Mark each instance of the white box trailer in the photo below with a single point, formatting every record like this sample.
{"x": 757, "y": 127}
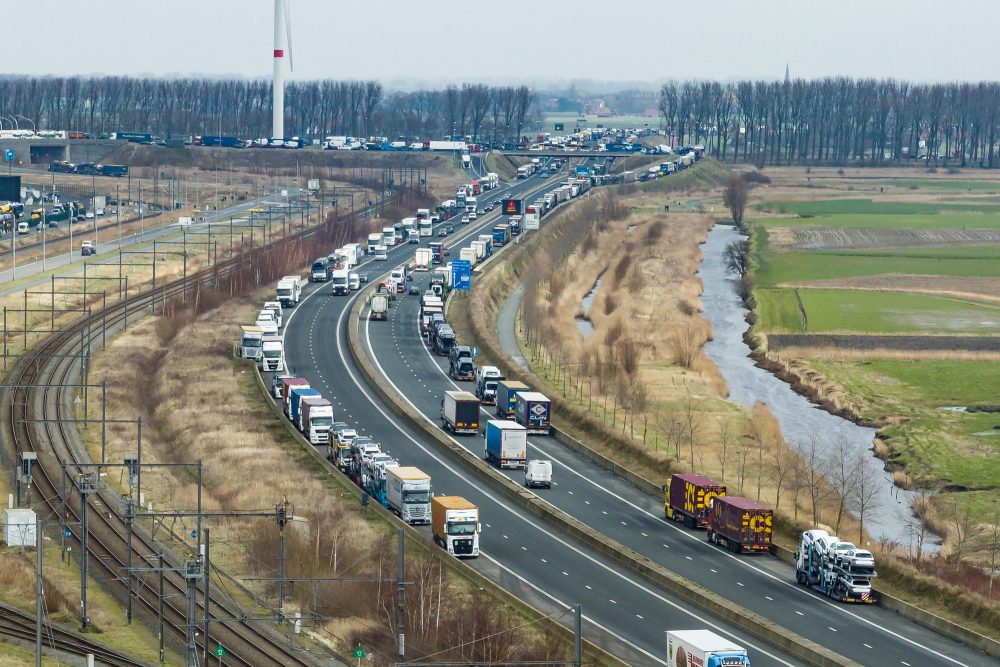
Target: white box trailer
{"x": 468, "y": 254}
{"x": 422, "y": 259}
{"x": 700, "y": 648}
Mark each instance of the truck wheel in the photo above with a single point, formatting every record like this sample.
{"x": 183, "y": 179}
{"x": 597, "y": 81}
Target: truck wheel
{"x": 688, "y": 522}
{"x": 709, "y": 536}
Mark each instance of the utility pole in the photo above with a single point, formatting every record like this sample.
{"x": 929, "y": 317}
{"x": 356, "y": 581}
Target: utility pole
{"x": 208, "y": 595}
{"x": 192, "y": 573}
{"x": 38, "y": 593}
{"x": 578, "y": 637}
{"x": 160, "y": 597}
{"x": 400, "y": 591}
{"x": 281, "y": 510}
{"x": 86, "y": 485}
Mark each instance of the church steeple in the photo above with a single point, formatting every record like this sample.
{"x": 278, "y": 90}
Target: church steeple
{"x": 788, "y": 74}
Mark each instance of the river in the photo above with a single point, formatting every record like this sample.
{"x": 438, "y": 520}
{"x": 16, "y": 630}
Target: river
{"x": 800, "y": 420}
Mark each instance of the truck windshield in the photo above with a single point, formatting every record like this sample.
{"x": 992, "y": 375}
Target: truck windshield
{"x": 272, "y": 354}
{"x": 415, "y": 497}
{"x": 251, "y": 342}
{"x": 464, "y": 528}
{"x": 340, "y": 281}
{"x": 321, "y": 421}
{"x": 491, "y": 387}
{"x": 284, "y": 291}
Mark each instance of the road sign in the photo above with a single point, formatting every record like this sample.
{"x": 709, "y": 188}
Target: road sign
{"x": 359, "y": 652}
{"x": 8, "y": 155}
{"x": 512, "y": 207}
{"x": 461, "y": 274}
{"x": 68, "y": 533}
{"x": 220, "y": 651}
{"x": 194, "y": 534}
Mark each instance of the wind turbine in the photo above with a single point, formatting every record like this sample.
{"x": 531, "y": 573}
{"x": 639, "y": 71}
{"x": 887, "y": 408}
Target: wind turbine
{"x": 282, "y": 43}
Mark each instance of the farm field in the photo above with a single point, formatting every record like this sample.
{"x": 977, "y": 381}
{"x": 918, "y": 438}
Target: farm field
{"x": 919, "y": 259}
{"x": 932, "y": 441}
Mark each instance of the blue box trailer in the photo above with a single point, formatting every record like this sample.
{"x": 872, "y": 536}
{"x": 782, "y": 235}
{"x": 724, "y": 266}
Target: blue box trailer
{"x": 506, "y": 444}
{"x": 501, "y": 235}
{"x": 295, "y": 401}
{"x": 507, "y": 397}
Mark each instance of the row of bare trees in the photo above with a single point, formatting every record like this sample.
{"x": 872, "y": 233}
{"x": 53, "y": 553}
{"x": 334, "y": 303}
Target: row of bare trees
{"x": 836, "y": 120}
{"x": 242, "y": 107}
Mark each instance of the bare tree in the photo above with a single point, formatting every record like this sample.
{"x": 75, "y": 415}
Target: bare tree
{"x": 863, "y": 495}
{"x": 842, "y": 472}
{"x": 735, "y": 196}
{"x": 963, "y": 530}
{"x": 725, "y": 444}
{"x": 813, "y": 478}
{"x": 693, "y": 420}
{"x": 737, "y": 257}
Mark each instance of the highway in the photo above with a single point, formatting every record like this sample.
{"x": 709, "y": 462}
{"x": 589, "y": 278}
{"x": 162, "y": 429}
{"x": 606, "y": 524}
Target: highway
{"x": 626, "y": 616}
{"x": 623, "y": 614}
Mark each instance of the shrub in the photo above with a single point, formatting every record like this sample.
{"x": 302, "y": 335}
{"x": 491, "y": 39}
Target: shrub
{"x": 756, "y": 177}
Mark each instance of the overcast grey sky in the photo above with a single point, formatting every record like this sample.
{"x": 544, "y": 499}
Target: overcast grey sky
{"x": 439, "y": 41}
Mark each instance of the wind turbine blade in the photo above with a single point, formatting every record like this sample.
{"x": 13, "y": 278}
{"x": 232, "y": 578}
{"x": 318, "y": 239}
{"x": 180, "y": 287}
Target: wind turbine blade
{"x": 288, "y": 32}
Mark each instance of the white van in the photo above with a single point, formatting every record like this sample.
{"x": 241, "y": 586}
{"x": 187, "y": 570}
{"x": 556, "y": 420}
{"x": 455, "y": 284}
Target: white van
{"x": 538, "y": 473}
{"x": 354, "y": 281}
{"x": 381, "y": 253}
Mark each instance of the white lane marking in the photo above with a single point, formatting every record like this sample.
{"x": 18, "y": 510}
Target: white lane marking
{"x": 799, "y": 613}
{"x": 768, "y": 597}
{"x": 831, "y": 628}
{"x": 868, "y": 646}
{"x": 505, "y": 506}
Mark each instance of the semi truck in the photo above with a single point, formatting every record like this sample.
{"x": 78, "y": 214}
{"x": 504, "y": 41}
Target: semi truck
{"x": 287, "y": 384}
{"x": 437, "y": 252}
{"x": 422, "y": 259}
{"x": 295, "y": 397}
{"x": 315, "y": 420}
{"x": 687, "y": 498}
{"x": 739, "y": 524}
{"x": 408, "y": 491}
{"x": 455, "y": 524}
{"x": 272, "y": 358}
{"x": 320, "y": 271}
{"x": 836, "y": 568}
{"x": 533, "y": 411}
{"x": 251, "y": 339}
{"x": 487, "y": 378}
{"x": 703, "y": 648}
{"x": 287, "y": 387}
{"x": 380, "y": 306}
{"x": 340, "y": 282}
{"x": 373, "y": 240}
{"x": 507, "y": 391}
{"x": 289, "y": 291}
{"x": 506, "y": 444}
{"x": 460, "y": 412}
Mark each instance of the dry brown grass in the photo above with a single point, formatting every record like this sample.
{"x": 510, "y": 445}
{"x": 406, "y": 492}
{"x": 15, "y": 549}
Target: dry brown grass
{"x": 198, "y": 403}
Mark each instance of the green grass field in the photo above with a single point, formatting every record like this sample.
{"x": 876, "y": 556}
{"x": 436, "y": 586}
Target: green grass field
{"x": 956, "y": 448}
{"x": 776, "y": 268}
{"x": 823, "y": 207}
{"x": 895, "y": 312}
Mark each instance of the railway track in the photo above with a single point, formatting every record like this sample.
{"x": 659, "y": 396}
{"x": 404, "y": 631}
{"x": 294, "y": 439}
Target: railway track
{"x": 37, "y": 407}
{"x": 21, "y": 625}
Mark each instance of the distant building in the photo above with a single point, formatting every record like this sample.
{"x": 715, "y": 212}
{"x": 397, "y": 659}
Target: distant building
{"x": 788, "y": 74}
